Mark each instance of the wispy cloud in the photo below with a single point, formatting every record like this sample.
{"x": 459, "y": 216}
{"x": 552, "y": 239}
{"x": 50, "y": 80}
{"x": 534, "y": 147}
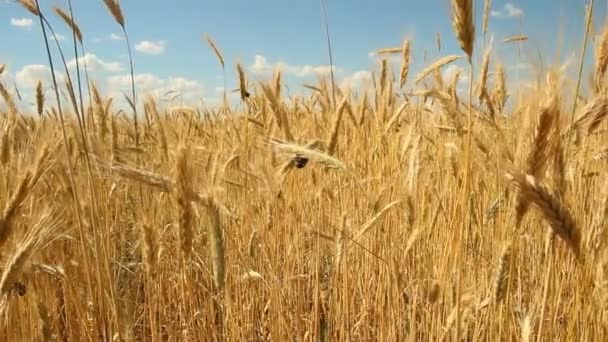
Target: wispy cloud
{"x": 22, "y": 22}
{"x": 111, "y": 37}
{"x": 361, "y": 79}
{"x": 114, "y": 36}
{"x": 509, "y": 10}
{"x": 187, "y": 90}
{"x": 30, "y": 74}
{"x": 95, "y": 63}
{"x": 261, "y": 66}
{"x": 151, "y": 47}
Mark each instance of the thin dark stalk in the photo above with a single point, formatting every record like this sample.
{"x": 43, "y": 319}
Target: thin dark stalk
{"x": 331, "y": 60}
{"x": 65, "y": 149}
{"x": 77, "y": 66}
{"x": 69, "y": 80}
{"x": 133, "y": 98}
{"x": 580, "y": 69}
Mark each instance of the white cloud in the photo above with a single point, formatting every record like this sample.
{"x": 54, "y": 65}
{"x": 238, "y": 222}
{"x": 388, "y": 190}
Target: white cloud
{"x": 262, "y": 66}
{"x": 513, "y": 11}
{"x": 359, "y": 80}
{"x": 392, "y": 58}
{"x": 95, "y": 63}
{"x": 177, "y": 88}
{"x": 114, "y": 36}
{"x": 110, "y": 37}
{"x": 30, "y": 74}
{"x": 150, "y": 47}
{"x": 509, "y": 10}
{"x": 449, "y": 72}
{"x": 22, "y": 22}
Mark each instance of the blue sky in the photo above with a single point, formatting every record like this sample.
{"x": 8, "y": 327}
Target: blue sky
{"x": 170, "y": 53}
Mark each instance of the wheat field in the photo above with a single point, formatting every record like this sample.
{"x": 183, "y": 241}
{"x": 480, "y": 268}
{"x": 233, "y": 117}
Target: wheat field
{"x": 381, "y": 215}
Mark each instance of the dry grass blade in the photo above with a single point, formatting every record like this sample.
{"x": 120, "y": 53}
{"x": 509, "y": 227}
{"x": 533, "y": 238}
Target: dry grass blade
{"x": 436, "y": 65}
{"x": 389, "y": 51}
{"x": 438, "y": 41}
{"x": 518, "y": 38}
{"x": 369, "y": 224}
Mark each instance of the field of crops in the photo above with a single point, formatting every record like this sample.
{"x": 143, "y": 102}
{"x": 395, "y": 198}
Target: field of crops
{"x": 332, "y": 215}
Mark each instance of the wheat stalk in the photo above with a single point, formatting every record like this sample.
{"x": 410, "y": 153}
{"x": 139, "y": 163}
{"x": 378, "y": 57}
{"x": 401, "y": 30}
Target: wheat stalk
{"x": 70, "y": 22}
{"x": 436, "y": 65}
{"x": 217, "y": 243}
{"x": 486, "y": 13}
{"x": 114, "y": 7}
{"x": 463, "y": 25}
{"x": 405, "y": 63}
{"x": 39, "y": 98}
{"x": 308, "y": 153}
{"x": 30, "y": 6}
{"x": 483, "y": 75}
{"x": 502, "y": 275}
{"x": 592, "y": 114}
{"x": 333, "y": 139}
{"x": 557, "y": 215}
{"x": 183, "y": 184}
{"x": 601, "y": 56}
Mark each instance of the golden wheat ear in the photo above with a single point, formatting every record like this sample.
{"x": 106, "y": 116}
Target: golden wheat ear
{"x": 463, "y": 25}
{"x": 555, "y": 213}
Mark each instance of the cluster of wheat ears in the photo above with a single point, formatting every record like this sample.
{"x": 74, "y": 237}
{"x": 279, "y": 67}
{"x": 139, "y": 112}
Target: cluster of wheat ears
{"x": 387, "y": 214}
